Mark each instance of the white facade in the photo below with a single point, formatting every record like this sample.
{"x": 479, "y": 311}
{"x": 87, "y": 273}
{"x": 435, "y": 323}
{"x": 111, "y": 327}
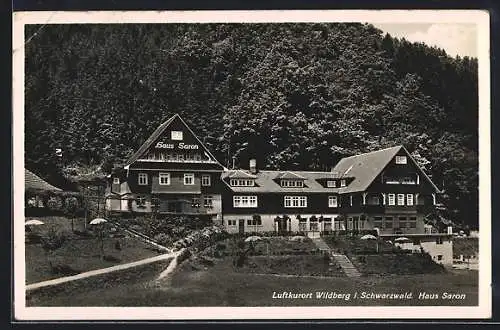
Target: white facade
{"x": 232, "y": 223}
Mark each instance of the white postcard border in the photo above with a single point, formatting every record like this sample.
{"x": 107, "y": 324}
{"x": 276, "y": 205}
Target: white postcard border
{"x": 478, "y": 17}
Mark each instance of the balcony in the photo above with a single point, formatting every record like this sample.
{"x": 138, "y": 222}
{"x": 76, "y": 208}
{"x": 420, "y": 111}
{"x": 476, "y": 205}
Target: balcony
{"x": 396, "y": 209}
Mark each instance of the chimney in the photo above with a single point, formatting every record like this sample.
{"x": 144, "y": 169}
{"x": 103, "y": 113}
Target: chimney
{"x": 253, "y": 166}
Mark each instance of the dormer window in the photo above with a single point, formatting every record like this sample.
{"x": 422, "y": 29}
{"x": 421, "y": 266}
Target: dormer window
{"x": 242, "y": 182}
{"x": 401, "y": 160}
{"x": 343, "y": 183}
{"x": 292, "y": 183}
{"x": 116, "y": 180}
{"x": 176, "y": 135}
{"x": 331, "y": 184}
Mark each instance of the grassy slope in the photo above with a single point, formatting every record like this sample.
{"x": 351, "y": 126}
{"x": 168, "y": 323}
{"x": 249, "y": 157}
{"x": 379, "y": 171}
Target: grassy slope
{"x": 222, "y": 286}
{"x": 80, "y": 254}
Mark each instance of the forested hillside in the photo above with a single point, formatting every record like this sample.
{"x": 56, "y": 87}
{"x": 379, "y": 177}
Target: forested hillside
{"x": 295, "y": 96}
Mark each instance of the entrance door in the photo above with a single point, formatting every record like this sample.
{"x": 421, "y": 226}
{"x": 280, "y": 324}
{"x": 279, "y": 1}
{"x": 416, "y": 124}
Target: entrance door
{"x": 175, "y": 207}
{"x": 282, "y": 227}
{"x": 241, "y": 226}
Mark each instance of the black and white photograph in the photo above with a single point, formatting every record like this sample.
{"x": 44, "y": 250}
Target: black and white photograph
{"x": 329, "y": 163}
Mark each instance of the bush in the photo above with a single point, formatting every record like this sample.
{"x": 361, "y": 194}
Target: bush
{"x": 84, "y": 233}
{"x": 63, "y": 269}
{"x": 162, "y": 239}
{"x": 33, "y": 238}
{"x": 53, "y": 240}
{"x": 111, "y": 258}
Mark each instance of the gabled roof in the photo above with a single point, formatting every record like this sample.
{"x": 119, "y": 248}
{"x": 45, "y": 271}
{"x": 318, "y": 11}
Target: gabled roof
{"x": 34, "y": 182}
{"x": 240, "y": 174}
{"x": 366, "y": 167}
{"x": 267, "y": 182}
{"x": 157, "y": 133}
{"x": 290, "y": 175}
{"x": 151, "y": 139}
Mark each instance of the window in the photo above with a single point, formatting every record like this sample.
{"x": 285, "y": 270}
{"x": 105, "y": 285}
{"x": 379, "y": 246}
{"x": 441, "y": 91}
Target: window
{"x": 439, "y": 240}
{"x": 413, "y": 222}
{"x": 141, "y": 201}
{"x": 242, "y": 182}
{"x": 208, "y": 201}
{"x": 401, "y": 160}
{"x": 440, "y": 257}
{"x": 374, "y": 200}
{"x": 231, "y": 223}
{"x": 389, "y": 180}
{"x": 302, "y": 224}
{"x": 254, "y": 222}
{"x": 409, "y": 199}
{"x": 332, "y": 201}
{"x": 407, "y": 180}
{"x": 377, "y": 222}
{"x": 116, "y": 180}
{"x": 313, "y": 224}
{"x": 401, "y": 199}
{"x": 331, "y": 183}
{"x": 164, "y": 179}
{"x": 176, "y": 135}
{"x": 388, "y": 222}
{"x": 402, "y": 222}
{"x": 143, "y": 179}
{"x": 391, "y": 198}
{"x": 245, "y": 201}
{"x": 195, "y": 202}
{"x": 188, "y": 179}
{"x": 342, "y": 183}
{"x": 295, "y": 201}
{"x": 292, "y": 183}
{"x": 349, "y": 223}
{"x": 205, "y": 180}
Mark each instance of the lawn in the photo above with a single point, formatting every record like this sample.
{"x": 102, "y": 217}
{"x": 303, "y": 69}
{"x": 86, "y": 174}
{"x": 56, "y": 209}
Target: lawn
{"x": 79, "y": 253}
{"x": 221, "y": 285}
{"x": 266, "y": 246}
{"x": 354, "y": 245}
{"x": 310, "y": 265}
{"x": 402, "y": 264}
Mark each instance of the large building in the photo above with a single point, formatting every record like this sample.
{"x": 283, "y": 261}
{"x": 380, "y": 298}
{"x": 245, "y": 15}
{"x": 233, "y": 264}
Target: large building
{"x": 384, "y": 190}
{"x": 174, "y": 173}
{"x": 171, "y": 173}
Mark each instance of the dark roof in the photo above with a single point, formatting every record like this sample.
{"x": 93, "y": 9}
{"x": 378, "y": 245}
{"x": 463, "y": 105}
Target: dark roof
{"x": 157, "y": 133}
{"x": 34, "y": 182}
{"x": 151, "y": 139}
{"x": 364, "y": 168}
{"x": 266, "y": 182}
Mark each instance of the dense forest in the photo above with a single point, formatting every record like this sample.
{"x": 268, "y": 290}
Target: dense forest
{"x": 295, "y": 96}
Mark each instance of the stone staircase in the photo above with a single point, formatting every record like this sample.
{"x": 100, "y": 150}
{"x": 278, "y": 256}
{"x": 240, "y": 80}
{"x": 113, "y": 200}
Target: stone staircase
{"x": 349, "y": 269}
{"x": 321, "y": 244}
{"x": 337, "y": 259}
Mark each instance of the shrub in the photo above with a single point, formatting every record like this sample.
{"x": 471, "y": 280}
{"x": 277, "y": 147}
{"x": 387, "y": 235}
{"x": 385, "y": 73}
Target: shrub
{"x": 84, "y": 233}
{"x": 136, "y": 228}
{"x": 111, "y": 258}
{"x": 63, "y": 269}
{"x": 53, "y": 240}
{"x": 162, "y": 239}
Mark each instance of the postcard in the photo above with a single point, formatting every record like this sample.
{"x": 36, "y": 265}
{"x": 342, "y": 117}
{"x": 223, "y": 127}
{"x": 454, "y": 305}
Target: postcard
{"x": 251, "y": 165}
